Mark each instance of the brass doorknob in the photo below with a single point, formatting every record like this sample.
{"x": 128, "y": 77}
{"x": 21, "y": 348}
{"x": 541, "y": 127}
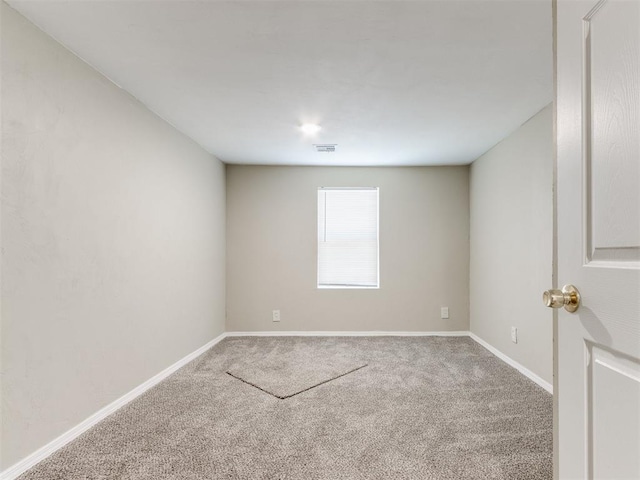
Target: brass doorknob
{"x": 568, "y": 297}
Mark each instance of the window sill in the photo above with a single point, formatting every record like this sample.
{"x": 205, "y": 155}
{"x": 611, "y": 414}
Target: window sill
{"x": 347, "y": 287}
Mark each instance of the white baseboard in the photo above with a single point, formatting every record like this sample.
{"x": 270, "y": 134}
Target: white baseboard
{"x": 522, "y": 369}
{"x": 374, "y": 333}
{"x": 42, "y": 453}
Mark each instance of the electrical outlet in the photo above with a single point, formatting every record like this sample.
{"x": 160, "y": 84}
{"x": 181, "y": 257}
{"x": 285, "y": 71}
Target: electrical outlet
{"x": 444, "y": 312}
{"x": 276, "y": 315}
{"x": 514, "y": 334}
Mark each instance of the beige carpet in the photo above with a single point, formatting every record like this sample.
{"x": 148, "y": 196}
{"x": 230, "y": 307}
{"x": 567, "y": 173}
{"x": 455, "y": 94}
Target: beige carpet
{"x": 423, "y": 408}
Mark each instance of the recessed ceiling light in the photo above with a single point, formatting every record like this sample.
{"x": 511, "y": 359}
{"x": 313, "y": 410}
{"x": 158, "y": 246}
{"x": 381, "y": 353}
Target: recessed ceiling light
{"x": 310, "y": 128}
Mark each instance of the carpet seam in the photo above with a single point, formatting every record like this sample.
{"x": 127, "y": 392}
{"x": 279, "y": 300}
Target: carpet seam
{"x": 301, "y": 391}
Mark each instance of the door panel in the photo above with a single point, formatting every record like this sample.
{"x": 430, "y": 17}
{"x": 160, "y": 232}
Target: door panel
{"x": 614, "y": 435}
{"x": 613, "y": 143}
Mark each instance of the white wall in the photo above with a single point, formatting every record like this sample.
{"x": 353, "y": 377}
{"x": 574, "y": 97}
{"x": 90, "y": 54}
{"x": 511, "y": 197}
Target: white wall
{"x": 272, "y": 245}
{"x": 113, "y": 241}
{"x": 511, "y": 244}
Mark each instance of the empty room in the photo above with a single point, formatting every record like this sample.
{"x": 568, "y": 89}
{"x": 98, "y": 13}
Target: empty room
{"x": 318, "y": 239}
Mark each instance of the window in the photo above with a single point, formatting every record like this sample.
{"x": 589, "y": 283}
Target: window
{"x": 348, "y": 238}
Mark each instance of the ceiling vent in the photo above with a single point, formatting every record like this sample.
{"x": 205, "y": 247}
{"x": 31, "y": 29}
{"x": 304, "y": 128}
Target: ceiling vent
{"x": 325, "y": 147}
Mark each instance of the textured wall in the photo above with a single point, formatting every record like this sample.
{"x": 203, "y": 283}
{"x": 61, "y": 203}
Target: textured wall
{"x": 112, "y": 241}
{"x": 272, "y": 245}
{"x": 511, "y": 244}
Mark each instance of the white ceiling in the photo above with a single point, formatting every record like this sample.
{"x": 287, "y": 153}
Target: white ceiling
{"x": 391, "y": 82}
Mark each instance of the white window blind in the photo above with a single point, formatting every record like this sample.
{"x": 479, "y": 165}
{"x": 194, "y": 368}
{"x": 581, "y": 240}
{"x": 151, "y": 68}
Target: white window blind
{"x": 347, "y": 237}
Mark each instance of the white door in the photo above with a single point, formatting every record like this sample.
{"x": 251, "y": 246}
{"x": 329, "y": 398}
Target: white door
{"x": 598, "y": 228}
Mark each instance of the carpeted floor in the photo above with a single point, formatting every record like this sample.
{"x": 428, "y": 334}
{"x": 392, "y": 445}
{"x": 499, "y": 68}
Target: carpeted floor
{"x": 423, "y": 408}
